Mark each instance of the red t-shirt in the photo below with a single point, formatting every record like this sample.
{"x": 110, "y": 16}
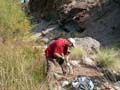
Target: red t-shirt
{"x": 58, "y": 46}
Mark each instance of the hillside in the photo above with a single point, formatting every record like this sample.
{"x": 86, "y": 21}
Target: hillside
{"x": 27, "y": 28}
{"x": 102, "y": 23}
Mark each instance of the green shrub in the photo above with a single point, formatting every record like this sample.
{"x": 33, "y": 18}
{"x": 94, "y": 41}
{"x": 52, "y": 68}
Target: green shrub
{"x": 77, "y": 53}
{"x": 108, "y": 58}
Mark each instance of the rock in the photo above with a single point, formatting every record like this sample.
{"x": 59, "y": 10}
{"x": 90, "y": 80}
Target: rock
{"x": 74, "y": 63}
{"x": 81, "y": 18}
{"x": 73, "y": 3}
{"x": 81, "y": 5}
{"x": 64, "y": 83}
{"x": 89, "y": 44}
{"x": 117, "y": 85}
{"x": 92, "y": 3}
{"x": 45, "y": 40}
{"x": 88, "y": 61}
{"x": 107, "y": 86}
{"x": 58, "y": 77}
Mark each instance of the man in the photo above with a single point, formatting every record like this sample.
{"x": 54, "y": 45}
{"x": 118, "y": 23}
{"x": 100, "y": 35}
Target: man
{"x": 57, "y": 52}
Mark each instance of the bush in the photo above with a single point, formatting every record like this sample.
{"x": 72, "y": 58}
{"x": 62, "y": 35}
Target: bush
{"x": 12, "y": 19}
{"x": 108, "y": 58}
{"x": 77, "y": 53}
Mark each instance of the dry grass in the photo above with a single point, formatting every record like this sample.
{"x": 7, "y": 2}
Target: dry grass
{"x": 21, "y": 68}
{"x": 109, "y": 58}
{"x": 13, "y": 21}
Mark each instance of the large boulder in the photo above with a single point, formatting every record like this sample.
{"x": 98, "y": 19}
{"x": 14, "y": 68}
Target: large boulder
{"x": 88, "y": 44}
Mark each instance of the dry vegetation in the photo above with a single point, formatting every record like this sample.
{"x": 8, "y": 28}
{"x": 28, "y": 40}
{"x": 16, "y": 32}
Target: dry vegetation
{"x": 106, "y": 58}
{"x": 21, "y": 67}
{"x": 109, "y": 58}
{"x": 13, "y": 22}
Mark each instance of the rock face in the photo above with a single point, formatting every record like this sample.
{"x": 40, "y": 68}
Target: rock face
{"x": 42, "y": 8}
{"x": 94, "y": 18}
{"x": 89, "y": 44}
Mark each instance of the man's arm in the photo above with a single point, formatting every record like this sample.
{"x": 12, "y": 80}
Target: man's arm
{"x": 57, "y": 55}
{"x": 66, "y": 58}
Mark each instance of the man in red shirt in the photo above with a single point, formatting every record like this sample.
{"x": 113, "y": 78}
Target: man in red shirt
{"x": 57, "y": 52}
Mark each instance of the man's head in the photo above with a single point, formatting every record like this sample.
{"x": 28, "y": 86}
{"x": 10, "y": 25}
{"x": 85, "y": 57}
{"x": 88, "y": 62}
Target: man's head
{"x": 71, "y": 42}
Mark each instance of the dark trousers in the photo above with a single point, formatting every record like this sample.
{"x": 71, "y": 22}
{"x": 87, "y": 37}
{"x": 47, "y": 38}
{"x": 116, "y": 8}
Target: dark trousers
{"x": 52, "y": 63}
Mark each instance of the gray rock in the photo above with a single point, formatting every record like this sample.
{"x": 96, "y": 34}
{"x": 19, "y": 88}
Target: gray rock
{"x": 75, "y": 62}
{"x": 89, "y": 44}
{"x": 117, "y": 85}
{"x": 89, "y": 61}
{"x": 81, "y": 5}
{"x": 64, "y": 83}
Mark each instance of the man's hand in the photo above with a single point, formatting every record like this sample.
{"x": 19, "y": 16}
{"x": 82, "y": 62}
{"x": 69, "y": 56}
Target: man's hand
{"x": 63, "y": 58}
{"x": 68, "y": 64}
{"x": 58, "y": 56}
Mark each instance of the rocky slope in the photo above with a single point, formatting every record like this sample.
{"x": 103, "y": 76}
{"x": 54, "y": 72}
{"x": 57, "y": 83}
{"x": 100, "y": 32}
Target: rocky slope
{"x": 102, "y": 24}
{"x": 100, "y": 21}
